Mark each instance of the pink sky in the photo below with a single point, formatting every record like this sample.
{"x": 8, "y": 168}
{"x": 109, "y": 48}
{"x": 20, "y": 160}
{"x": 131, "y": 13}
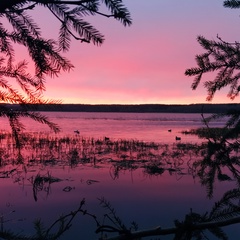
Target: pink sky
{"x": 144, "y": 63}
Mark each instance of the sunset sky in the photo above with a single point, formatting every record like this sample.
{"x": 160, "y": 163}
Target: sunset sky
{"x": 143, "y": 63}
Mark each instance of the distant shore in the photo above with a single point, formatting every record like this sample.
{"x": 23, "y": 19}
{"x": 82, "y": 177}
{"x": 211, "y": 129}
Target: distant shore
{"x": 134, "y": 108}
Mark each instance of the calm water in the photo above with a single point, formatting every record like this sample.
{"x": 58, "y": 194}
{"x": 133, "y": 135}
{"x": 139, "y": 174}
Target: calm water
{"x": 148, "y": 199}
{"x": 142, "y": 126}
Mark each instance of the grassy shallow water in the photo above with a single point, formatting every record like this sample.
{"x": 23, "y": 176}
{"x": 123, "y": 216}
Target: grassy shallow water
{"x": 147, "y": 183}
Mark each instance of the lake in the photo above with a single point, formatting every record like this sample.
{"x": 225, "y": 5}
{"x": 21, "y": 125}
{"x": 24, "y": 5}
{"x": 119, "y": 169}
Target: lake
{"x": 132, "y": 160}
{"x": 141, "y": 126}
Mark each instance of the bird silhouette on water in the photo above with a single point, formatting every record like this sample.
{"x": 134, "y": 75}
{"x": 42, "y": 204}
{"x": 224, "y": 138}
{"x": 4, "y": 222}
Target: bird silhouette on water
{"x": 76, "y": 131}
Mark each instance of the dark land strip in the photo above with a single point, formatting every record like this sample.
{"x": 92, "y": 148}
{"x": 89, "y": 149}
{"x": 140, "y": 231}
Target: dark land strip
{"x": 134, "y": 108}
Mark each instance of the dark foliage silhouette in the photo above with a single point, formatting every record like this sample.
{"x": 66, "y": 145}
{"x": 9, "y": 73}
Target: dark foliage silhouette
{"x": 222, "y": 58}
{"x": 18, "y": 27}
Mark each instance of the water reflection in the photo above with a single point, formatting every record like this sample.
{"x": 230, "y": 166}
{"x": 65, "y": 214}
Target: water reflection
{"x": 42, "y": 183}
{"x": 69, "y": 168}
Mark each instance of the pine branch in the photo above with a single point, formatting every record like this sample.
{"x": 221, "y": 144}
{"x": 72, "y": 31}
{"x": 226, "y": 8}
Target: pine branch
{"x": 220, "y": 57}
{"x": 170, "y": 231}
{"x": 113, "y": 218}
{"x": 231, "y": 4}
{"x": 45, "y": 53}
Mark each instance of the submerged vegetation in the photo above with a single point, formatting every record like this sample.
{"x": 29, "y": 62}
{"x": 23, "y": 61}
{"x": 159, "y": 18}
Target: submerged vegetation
{"x": 210, "y": 162}
{"x": 45, "y": 149}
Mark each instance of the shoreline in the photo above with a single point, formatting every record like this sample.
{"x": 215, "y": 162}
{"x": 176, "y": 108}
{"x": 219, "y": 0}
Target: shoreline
{"x": 132, "y": 108}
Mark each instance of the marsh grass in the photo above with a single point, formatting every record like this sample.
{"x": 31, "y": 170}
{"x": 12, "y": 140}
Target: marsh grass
{"x": 74, "y": 150}
{"x": 40, "y": 150}
{"x": 214, "y": 133}
{"x": 207, "y": 161}
{"x": 42, "y": 183}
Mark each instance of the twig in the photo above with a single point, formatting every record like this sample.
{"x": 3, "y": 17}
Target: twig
{"x": 159, "y": 231}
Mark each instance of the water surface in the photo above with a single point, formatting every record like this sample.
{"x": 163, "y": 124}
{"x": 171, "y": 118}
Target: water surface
{"x": 150, "y": 199}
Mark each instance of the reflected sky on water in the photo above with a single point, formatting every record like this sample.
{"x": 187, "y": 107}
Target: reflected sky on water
{"x": 141, "y": 126}
{"x": 149, "y": 199}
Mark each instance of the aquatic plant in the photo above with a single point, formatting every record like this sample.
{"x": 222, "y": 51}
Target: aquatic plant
{"x": 205, "y": 161}
{"x": 212, "y": 133}
{"x": 154, "y": 169}
{"x": 42, "y": 182}
{"x": 42, "y": 149}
